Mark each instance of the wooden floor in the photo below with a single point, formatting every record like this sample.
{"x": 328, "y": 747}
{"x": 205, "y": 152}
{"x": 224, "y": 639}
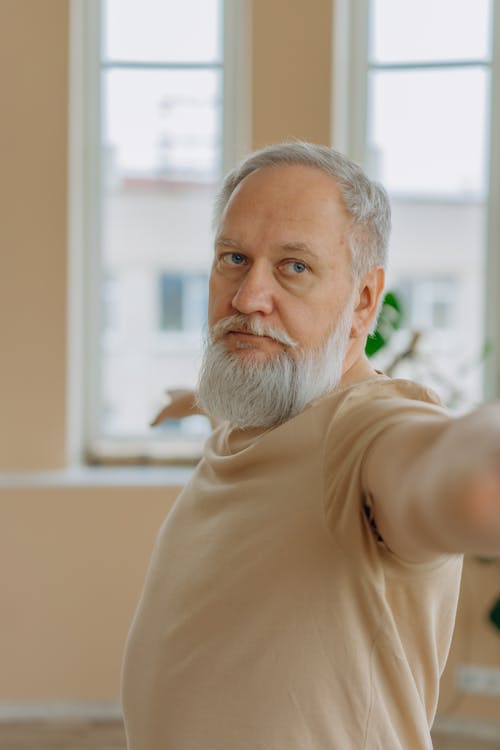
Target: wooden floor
{"x": 109, "y": 735}
{"x": 59, "y": 735}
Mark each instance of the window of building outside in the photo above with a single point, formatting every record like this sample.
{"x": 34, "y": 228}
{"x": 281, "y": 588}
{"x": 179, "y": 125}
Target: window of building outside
{"x": 425, "y": 101}
{"x": 161, "y": 93}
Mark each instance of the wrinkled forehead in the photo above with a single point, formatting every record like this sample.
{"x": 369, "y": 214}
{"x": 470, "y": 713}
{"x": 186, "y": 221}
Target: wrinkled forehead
{"x": 288, "y": 192}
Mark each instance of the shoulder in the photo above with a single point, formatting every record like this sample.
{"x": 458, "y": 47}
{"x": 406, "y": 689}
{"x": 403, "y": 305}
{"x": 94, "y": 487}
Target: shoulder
{"x": 383, "y": 393}
{"x": 369, "y": 407}
{"x": 384, "y": 387}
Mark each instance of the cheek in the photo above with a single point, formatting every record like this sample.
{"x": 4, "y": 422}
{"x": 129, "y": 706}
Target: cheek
{"x": 301, "y": 322}
{"x": 219, "y": 301}
{"x": 313, "y": 324}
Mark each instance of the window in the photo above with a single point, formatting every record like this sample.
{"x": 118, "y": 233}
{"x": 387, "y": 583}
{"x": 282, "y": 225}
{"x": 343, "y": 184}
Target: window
{"x": 162, "y": 106}
{"x": 421, "y": 91}
{"x": 183, "y": 300}
{"x": 429, "y": 304}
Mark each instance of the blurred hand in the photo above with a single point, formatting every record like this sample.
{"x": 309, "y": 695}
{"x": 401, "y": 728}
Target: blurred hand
{"x": 182, "y": 403}
{"x": 481, "y": 504}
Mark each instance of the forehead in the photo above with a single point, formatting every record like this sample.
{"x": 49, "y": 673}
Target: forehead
{"x": 297, "y": 196}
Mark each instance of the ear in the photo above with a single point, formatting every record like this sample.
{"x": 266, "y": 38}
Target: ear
{"x": 370, "y": 289}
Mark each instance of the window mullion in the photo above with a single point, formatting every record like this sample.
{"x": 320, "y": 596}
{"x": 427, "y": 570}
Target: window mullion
{"x": 236, "y": 126}
{"x": 349, "y": 76}
{"x": 84, "y": 229}
{"x": 428, "y": 65}
{"x": 137, "y": 65}
{"x": 492, "y": 282}
{"x": 93, "y": 234}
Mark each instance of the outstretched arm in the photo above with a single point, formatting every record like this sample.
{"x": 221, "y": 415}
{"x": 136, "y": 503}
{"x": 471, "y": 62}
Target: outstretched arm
{"x": 435, "y": 485}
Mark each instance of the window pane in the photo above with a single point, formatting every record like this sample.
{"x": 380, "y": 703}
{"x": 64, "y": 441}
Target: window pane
{"x": 162, "y": 30}
{"x": 427, "y": 130}
{"x": 171, "y": 297}
{"x": 437, "y": 268}
{"x": 162, "y": 123}
{"x": 183, "y": 301}
{"x": 436, "y": 30}
{"x": 157, "y": 255}
{"x": 162, "y": 153}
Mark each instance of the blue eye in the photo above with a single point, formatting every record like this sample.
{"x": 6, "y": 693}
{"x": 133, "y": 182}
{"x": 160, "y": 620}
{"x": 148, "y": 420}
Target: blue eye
{"x": 234, "y": 259}
{"x": 237, "y": 258}
{"x": 295, "y": 267}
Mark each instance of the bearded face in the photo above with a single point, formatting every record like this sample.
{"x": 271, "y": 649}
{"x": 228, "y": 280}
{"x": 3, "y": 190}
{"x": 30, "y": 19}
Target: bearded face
{"x": 249, "y": 391}
{"x": 287, "y": 317}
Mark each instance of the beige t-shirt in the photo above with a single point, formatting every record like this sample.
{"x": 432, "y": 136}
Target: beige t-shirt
{"x": 272, "y": 618}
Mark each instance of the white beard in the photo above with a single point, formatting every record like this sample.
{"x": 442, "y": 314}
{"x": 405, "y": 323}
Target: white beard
{"x": 251, "y": 393}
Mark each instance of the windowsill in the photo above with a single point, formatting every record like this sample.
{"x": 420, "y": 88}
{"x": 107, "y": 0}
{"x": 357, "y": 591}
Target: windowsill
{"x": 98, "y": 476}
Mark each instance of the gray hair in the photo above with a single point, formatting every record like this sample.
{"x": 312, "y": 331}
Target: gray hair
{"x": 366, "y": 201}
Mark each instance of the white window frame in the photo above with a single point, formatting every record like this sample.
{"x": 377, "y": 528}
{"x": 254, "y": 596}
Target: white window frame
{"x": 84, "y": 227}
{"x": 349, "y": 131}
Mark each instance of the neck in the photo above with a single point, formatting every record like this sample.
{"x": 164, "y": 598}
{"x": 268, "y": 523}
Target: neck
{"x": 358, "y": 370}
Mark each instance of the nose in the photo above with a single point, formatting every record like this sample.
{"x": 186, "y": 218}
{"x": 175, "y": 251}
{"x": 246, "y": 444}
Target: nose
{"x": 255, "y": 292}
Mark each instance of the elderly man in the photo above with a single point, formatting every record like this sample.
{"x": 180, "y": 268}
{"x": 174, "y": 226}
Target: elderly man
{"x": 302, "y": 592}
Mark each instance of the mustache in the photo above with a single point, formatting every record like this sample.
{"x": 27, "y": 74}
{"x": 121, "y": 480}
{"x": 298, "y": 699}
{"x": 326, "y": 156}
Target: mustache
{"x": 246, "y": 324}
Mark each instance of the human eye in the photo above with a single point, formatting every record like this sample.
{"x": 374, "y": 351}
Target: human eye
{"x": 294, "y": 267}
{"x": 233, "y": 259}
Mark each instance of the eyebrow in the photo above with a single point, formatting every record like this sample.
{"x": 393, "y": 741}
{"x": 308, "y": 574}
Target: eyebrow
{"x": 228, "y": 242}
{"x": 300, "y": 247}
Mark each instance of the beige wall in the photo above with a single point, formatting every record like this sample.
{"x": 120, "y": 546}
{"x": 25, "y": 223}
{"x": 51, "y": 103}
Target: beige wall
{"x": 72, "y": 558}
{"x": 33, "y": 131}
{"x": 72, "y": 563}
{"x": 291, "y": 70}
{"x": 476, "y": 642}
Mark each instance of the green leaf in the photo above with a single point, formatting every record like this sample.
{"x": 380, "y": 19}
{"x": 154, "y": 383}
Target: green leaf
{"x": 389, "y": 320}
{"x": 494, "y": 614}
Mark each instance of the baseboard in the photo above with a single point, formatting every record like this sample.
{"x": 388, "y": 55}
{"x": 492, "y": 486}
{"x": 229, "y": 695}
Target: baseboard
{"x": 26, "y": 711}
{"x": 464, "y": 727}
{"x": 60, "y": 711}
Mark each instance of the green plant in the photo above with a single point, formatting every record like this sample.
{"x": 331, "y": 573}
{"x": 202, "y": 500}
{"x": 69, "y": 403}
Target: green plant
{"x": 389, "y": 320}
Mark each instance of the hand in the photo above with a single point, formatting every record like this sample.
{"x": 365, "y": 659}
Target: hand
{"x": 481, "y": 504}
{"x": 468, "y": 459}
{"x": 182, "y": 403}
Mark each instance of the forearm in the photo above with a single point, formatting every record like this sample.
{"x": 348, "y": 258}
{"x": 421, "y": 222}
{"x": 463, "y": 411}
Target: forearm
{"x": 435, "y": 485}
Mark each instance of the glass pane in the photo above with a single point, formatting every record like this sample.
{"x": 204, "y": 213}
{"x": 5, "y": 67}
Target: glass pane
{"x": 436, "y": 30}
{"x": 437, "y": 269}
{"x": 162, "y": 123}
{"x": 171, "y": 301}
{"x": 162, "y": 155}
{"x": 162, "y": 30}
{"x": 427, "y": 130}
